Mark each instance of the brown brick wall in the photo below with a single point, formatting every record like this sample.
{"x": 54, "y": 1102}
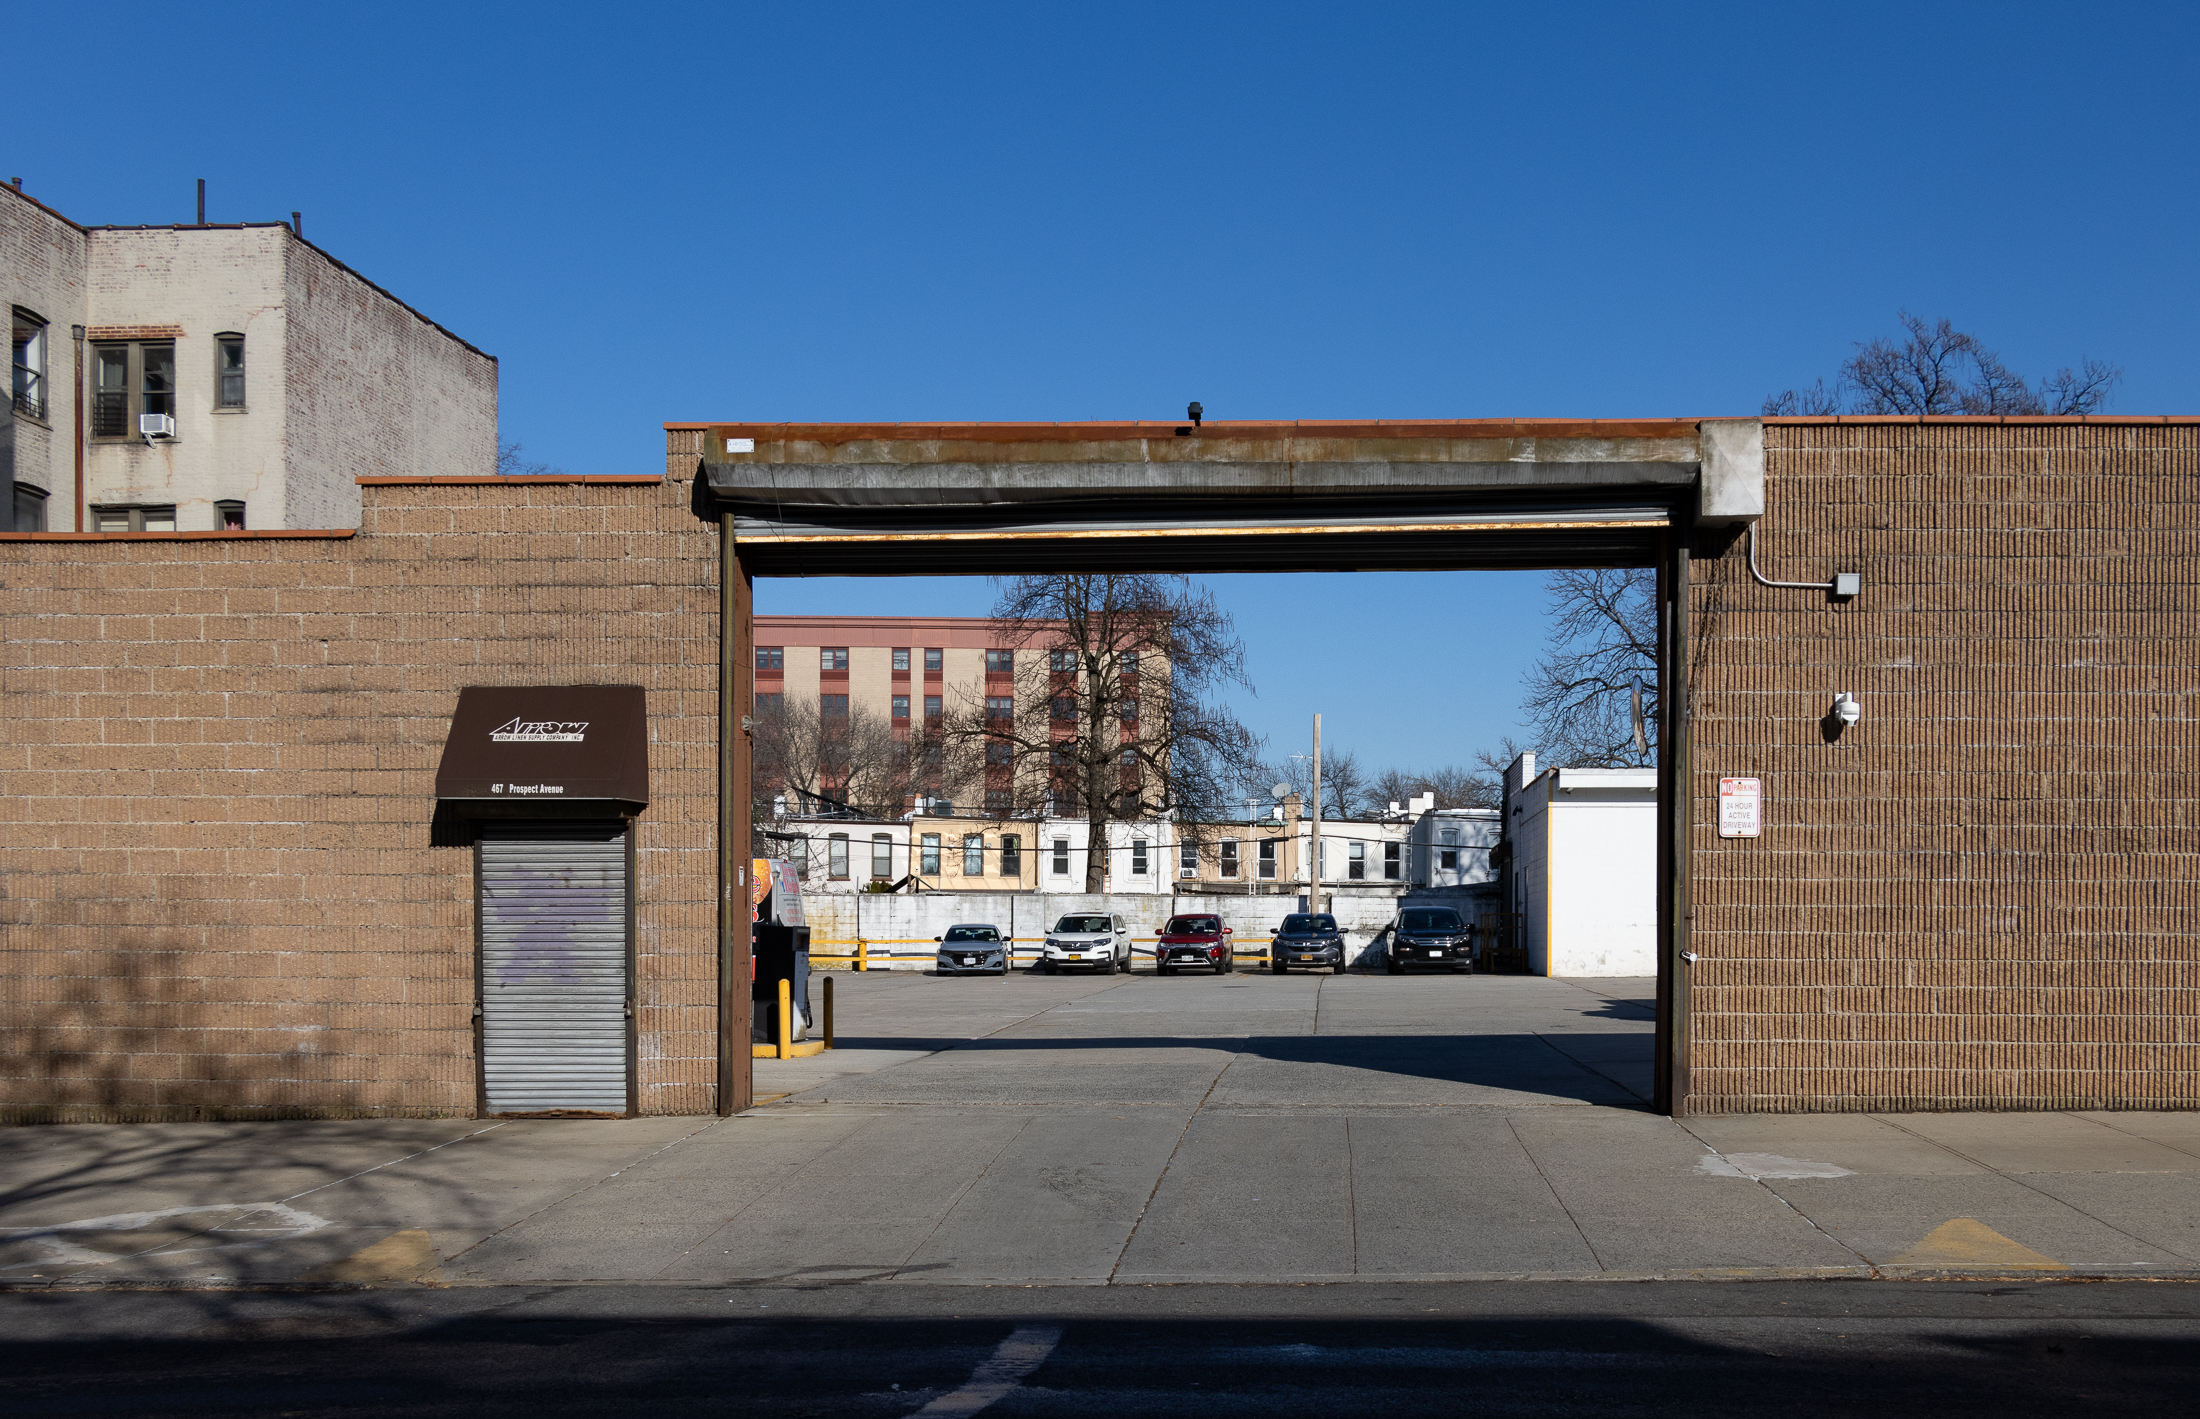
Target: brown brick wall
{"x": 1984, "y": 894}
{"x": 216, "y": 793}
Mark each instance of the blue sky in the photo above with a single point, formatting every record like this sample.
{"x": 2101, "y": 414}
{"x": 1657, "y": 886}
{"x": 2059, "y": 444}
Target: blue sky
{"x": 1075, "y": 212}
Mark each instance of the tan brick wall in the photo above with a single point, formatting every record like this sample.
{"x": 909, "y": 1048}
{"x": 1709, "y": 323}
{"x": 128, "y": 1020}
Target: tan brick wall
{"x": 222, "y": 898}
{"x": 1984, "y": 894}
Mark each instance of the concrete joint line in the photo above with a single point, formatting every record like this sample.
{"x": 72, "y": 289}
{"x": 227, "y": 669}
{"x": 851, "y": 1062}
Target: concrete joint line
{"x": 1162, "y": 1176}
{"x": 955, "y": 1202}
{"x": 2018, "y": 1179}
{"x": 1025, "y": 1350}
{"x": 378, "y": 1167}
{"x": 1529, "y": 1154}
{"x": 1862, "y": 1259}
{"x": 576, "y": 1192}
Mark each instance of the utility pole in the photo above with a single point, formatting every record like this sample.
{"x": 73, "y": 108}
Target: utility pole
{"x": 1314, "y": 843}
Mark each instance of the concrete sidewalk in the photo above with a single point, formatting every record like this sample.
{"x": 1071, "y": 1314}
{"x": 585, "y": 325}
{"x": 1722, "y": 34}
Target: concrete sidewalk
{"x": 1131, "y": 1130}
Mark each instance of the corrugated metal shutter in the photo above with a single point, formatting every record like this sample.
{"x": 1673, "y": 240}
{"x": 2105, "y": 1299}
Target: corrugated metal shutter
{"x": 554, "y": 966}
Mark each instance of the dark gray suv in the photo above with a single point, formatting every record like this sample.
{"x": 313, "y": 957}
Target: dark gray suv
{"x": 1430, "y": 936}
{"x": 1307, "y": 939}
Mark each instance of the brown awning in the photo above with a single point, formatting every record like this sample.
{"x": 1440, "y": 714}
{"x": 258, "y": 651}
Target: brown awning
{"x": 547, "y": 744}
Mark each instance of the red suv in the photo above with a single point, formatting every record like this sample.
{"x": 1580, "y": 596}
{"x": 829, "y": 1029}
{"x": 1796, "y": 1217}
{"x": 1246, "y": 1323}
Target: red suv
{"x": 1193, "y": 941}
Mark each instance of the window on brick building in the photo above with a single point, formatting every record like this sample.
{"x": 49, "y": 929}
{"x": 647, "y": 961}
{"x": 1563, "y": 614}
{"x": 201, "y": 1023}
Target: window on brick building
{"x": 997, "y": 802}
{"x": 1130, "y": 710}
{"x": 833, "y": 706}
{"x": 148, "y": 518}
{"x": 130, "y": 378}
{"x": 30, "y": 364}
{"x": 932, "y": 707}
{"x": 1063, "y": 709}
{"x": 30, "y": 508}
{"x": 999, "y": 754}
{"x": 901, "y": 707}
{"x": 229, "y": 371}
{"x": 833, "y": 657}
{"x": 1062, "y": 662}
{"x": 228, "y": 515}
{"x": 901, "y": 660}
{"x": 1000, "y": 662}
{"x": 772, "y": 700}
{"x": 771, "y": 657}
{"x": 1000, "y": 707}
{"x": 928, "y": 862}
{"x": 932, "y": 656}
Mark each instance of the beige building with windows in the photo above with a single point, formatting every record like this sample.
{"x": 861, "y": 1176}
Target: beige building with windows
{"x": 218, "y": 377}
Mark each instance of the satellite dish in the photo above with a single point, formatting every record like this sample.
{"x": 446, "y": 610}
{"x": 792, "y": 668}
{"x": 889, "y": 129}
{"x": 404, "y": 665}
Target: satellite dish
{"x": 1281, "y": 790}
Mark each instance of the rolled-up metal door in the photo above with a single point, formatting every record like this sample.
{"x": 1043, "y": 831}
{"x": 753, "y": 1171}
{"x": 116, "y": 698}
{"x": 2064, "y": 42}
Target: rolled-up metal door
{"x": 555, "y": 917}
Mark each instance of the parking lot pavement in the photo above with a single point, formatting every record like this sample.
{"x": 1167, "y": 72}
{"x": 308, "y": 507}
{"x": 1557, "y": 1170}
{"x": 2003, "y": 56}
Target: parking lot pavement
{"x": 1098, "y": 1130}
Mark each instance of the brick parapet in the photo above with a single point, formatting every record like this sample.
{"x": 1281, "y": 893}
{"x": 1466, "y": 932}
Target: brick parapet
{"x": 1982, "y": 895}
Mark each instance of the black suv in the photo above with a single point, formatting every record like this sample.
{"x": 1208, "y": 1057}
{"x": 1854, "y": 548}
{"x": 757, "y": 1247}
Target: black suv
{"x": 1307, "y": 939}
{"x": 1430, "y": 936}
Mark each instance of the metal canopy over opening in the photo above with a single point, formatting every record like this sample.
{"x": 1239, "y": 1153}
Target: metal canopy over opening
{"x": 823, "y": 500}
{"x": 531, "y": 747}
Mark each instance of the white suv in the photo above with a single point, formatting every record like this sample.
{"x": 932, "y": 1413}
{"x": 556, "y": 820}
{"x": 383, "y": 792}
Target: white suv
{"x": 1092, "y": 940}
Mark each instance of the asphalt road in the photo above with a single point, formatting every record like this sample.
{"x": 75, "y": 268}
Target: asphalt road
{"x": 1588, "y": 1349}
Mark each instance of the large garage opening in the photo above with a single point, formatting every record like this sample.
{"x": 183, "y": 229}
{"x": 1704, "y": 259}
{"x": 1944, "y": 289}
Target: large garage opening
{"x": 1010, "y": 501}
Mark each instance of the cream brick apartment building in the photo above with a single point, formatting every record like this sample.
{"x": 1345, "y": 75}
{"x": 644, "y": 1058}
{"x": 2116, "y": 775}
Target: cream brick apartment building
{"x": 205, "y": 377}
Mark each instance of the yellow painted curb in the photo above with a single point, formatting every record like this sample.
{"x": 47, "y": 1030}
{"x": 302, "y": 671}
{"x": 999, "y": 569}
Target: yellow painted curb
{"x": 801, "y": 1049}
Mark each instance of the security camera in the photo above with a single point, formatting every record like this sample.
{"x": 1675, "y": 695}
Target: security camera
{"x": 1846, "y": 709}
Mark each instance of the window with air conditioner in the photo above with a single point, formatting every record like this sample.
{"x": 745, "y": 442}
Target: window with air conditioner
{"x": 132, "y": 381}
{"x": 1187, "y": 860}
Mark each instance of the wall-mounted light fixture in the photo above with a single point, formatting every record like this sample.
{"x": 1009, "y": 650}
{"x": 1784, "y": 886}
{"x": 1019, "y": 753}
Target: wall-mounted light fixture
{"x": 1845, "y": 709}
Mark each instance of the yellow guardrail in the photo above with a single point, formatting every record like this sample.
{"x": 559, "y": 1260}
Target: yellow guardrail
{"x": 864, "y": 953}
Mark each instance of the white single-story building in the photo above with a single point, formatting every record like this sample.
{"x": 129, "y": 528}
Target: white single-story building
{"x": 1584, "y": 868}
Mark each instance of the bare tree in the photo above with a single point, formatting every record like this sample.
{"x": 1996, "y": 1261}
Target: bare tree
{"x": 511, "y": 465}
{"x": 1347, "y": 790}
{"x": 1593, "y": 696}
{"x": 1938, "y": 369}
{"x": 854, "y": 759}
{"x": 1112, "y": 714}
{"x": 1453, "y": 786}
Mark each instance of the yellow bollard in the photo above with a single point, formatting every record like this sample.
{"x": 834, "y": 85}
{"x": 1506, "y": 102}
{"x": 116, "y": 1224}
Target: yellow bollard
{"x": 828, "y": 1012}
{"x": 786, "y": 1018}
{"x": 860, "y": 964}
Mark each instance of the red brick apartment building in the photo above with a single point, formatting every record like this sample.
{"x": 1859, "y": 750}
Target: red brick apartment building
{"x": 244, "y": 868}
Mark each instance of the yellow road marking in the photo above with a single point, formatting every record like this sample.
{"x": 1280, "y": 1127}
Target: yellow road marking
{"x": 1966, "y": 1241}
{"x": 400, "y": 1256}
